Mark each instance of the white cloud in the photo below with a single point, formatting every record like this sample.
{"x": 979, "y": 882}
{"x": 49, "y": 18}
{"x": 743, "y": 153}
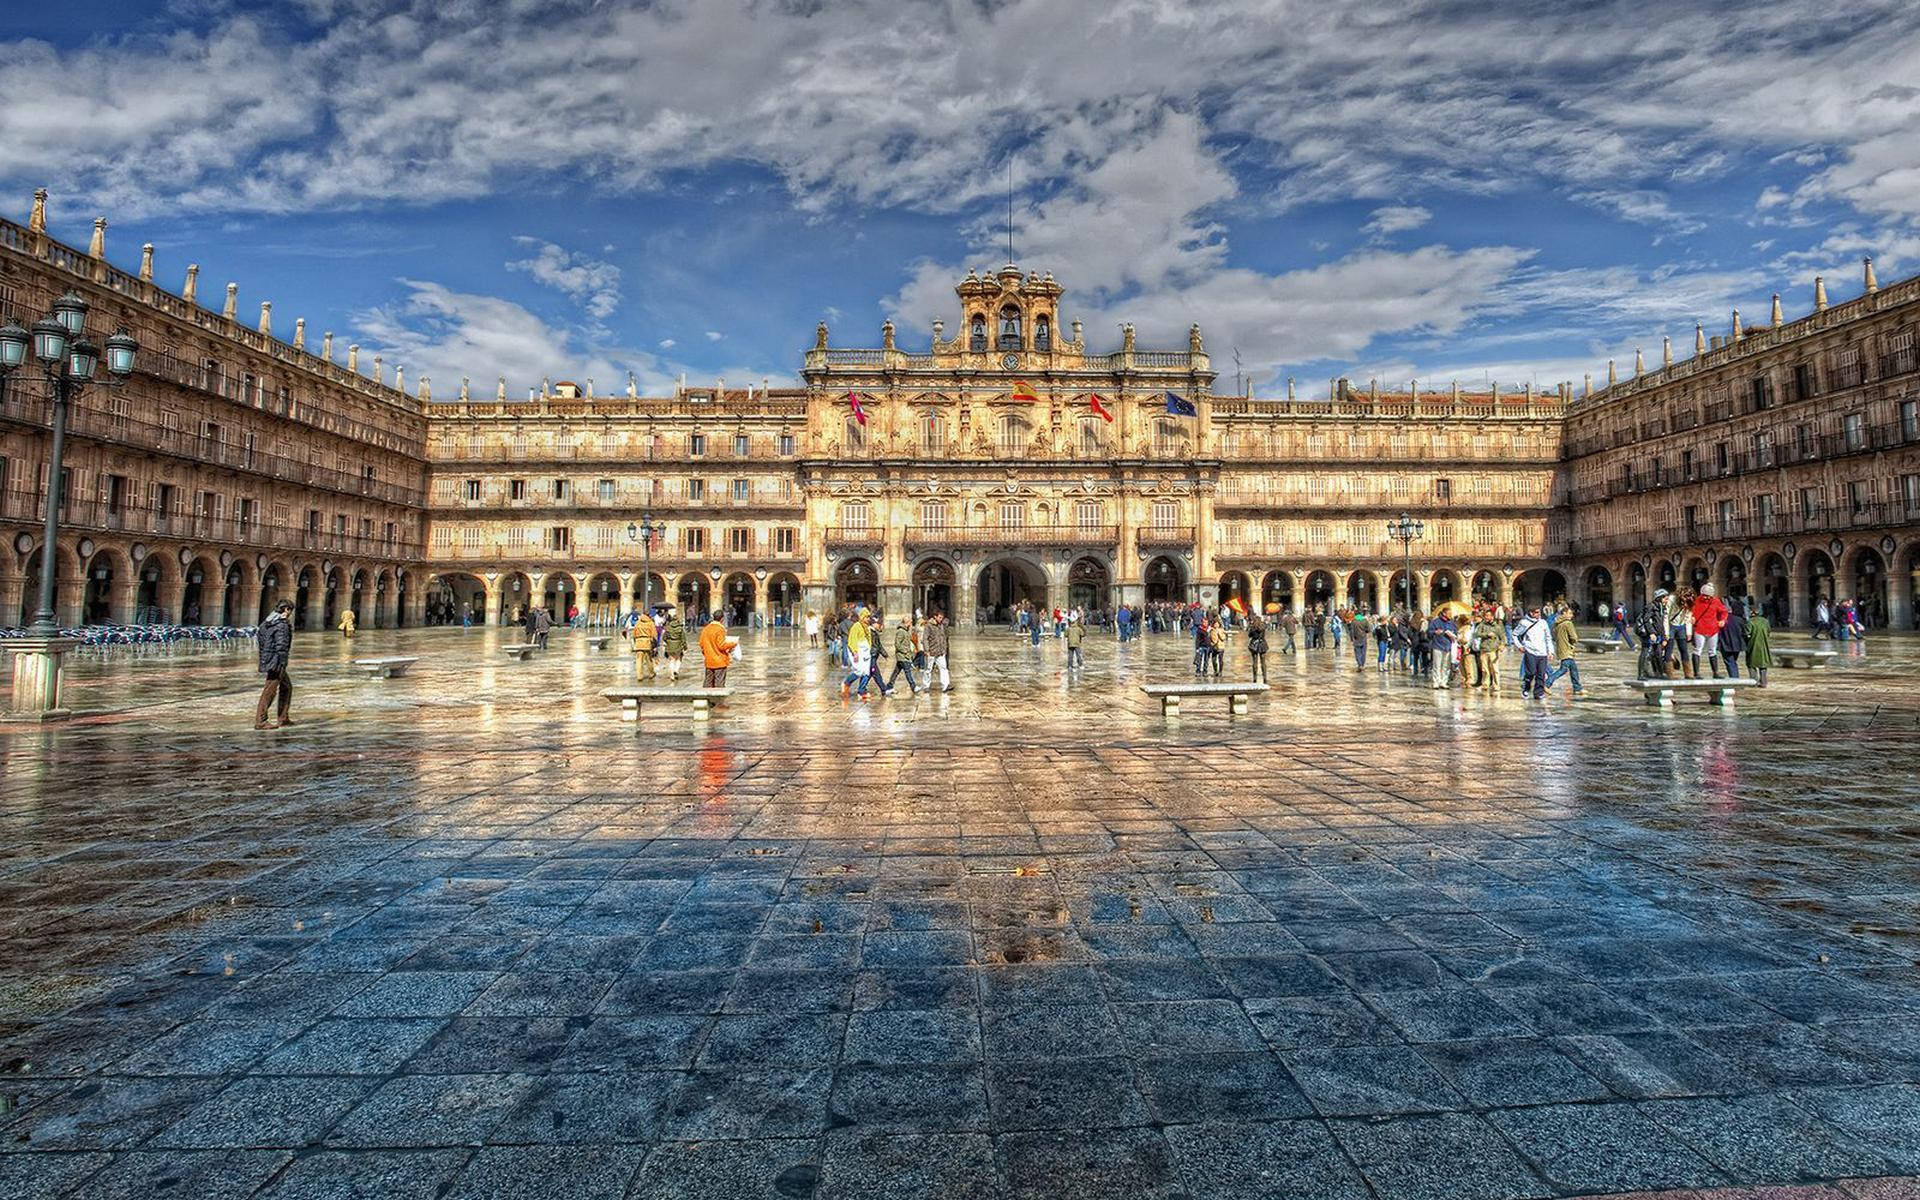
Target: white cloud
{"x": 667, "y": 343}
{"x": 1396, "y": 218}
{"x": 591, "y": 282}
{"x": 714, "y": 335}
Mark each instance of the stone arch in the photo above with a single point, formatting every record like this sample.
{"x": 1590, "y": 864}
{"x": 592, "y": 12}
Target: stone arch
{"x": 200, "y": 582}
{"x": 239, "y": 601}
{"x": 738, "y": 596}
{"x": 693, "y": 592}
{"x": 1362, "y": 590}
{"x": 600, "y": 599}
{"x": 1320, "y": 590}
{"x": 516, "y": 595}
{"x": 1695, "y": 572}
{"x": 1730, "y": 574}
{"x": 649, "y": 588}
{"x": 1638, "y": 592}
{"x": 1866, "y": 583}
{"x": 1444, "y": 586}
{"x": 856, "y": 581}
{"x": 1816, "y": 568}
{"x": 383, "y": 598}
{"x": 1090, "y": 585}
{"x": 558, "y": 592}
{"x": 65, "y": 579}
{"x": 456, "y": 597}
{"x": 1276, "y": 591}
{"x": 1598, "y": 580}
{"x": 783, "y": 599}
{"x": 1772, "y": 586}
{"x": 1166, "y": 580}
{"x": 360, "y": 595}
{"x": 1485, "y": 587}
{"x": 1006, "y": 582}
{"x": 934, "y": 581}
{"x": 107, "y": 575}
{"x": 277, "y": 582}
{"x": 154, "y": 590}
{"x": 1539, "y": 585}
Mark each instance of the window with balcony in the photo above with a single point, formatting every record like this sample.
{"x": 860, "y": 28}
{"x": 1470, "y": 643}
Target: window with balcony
{"x": 696, "y": 444}
{"x": 933, "y": 435}
{"x": 1803, "y": 388}
{"x": 741, "y": 446}
{"x": 854, "y": 518}
{"x": 1909, "y": 420}
{"x": 1317, "y": 536}
{"x": 1687, "y": 470}
{"x": 1760, "y": 393}
{"x": 856, "y": 436}
{"x": 516, "y": 489}
{"x": 786, "y": 541}
{"x": 933, "y": 515}
{"x": 1910, "y": 492}
{"x": 1726, "y": 518}
{"x": 562, "y": 489}
{"x": 1722, "y": 457}
{"x": 1690, "y": 521}
{"x": 1013, "y": 436}
{"x": 1763, "y": 513}
{"x": 1853, "y": 431}
{"x": 1087, "y": 514}
{"x": 1809, "y": 505}
{"x": 739, "y": 540}
{"x": 1763, "y": 449}
{"x": 693, "y": 539}
{"x": 117, "y": 489}
{"x": 1848, "y": 368}
{"x": 1803, "y": 442}
{"x": 470, "y": 489}
{"x": 786, "y": 445}
{"x": 1899, "y": 357}
{"x": 742, "y": 490}
{"x": 1166, "y": 514}
{"x": 1013, "y": 516}
{"x": 1857, "y": 497}
{"x": 1091, "y": 444}
{"x": 696, "y": 489}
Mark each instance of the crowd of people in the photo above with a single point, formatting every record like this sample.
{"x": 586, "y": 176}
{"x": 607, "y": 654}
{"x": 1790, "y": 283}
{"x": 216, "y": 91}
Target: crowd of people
{"x": 1684, "y": 630}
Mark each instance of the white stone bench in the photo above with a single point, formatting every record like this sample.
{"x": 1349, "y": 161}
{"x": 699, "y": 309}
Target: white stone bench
{"x": 598, "y": 641}
{"x": 1660, "y": 691}
{"x": 522, "y": 651}
{"x": 630, "y": 699}
{"x": 384, "y": 668}
{"x": 1600, "y": 645}
{"x": 1802, "y": 656}
{"x": 1169, "y": 694}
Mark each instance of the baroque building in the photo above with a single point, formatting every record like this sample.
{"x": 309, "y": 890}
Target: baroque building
{"x": 1005, "y": 463}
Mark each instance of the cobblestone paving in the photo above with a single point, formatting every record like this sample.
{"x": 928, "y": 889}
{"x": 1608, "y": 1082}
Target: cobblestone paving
{"x": 461, "y": 934}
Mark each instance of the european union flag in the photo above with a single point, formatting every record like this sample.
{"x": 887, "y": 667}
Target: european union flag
{"x": 1180, "y": 406}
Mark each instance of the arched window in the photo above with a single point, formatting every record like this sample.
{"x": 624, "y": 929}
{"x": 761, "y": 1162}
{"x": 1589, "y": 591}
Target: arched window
{"x": 1042, "y": 333}
{"x": 1010, "y": 328}
{"x": 977, "y": 334}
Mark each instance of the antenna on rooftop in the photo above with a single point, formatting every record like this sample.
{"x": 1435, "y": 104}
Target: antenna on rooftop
{"x": 1239, "y": 376}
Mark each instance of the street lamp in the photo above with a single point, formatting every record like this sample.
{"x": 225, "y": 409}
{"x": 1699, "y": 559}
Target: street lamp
{"x": 644, "y": 533}
{"x": 1406, "y": 531}
{"x": 68, "y": 361}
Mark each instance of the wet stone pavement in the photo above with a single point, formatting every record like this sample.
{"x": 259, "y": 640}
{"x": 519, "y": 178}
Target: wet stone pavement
{"x": 462, "y": 934}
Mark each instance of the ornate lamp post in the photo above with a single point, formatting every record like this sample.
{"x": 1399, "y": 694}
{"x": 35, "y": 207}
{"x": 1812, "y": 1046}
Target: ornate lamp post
{"x": 1406, "y": 531}
{"x": 644, "y": 533}
{"x": 68, "y": 361}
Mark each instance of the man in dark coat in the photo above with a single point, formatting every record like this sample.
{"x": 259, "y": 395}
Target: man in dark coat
{"x": 276, "y": 643}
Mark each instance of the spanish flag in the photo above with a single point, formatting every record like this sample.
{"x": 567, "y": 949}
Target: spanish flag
{"x": 1022, "y": 390}
{"x": 1099, "y": 409}
{"x": 1238, "y": 605}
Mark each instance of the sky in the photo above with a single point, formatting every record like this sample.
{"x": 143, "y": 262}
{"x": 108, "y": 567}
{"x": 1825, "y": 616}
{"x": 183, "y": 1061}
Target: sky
{"x": 1406, "y": 190}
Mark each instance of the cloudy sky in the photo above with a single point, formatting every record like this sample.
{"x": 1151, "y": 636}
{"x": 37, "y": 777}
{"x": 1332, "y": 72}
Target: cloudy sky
{"x": 574, "y": 188}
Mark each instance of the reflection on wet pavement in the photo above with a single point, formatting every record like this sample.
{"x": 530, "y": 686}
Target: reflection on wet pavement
{"x": 463, "y": 933}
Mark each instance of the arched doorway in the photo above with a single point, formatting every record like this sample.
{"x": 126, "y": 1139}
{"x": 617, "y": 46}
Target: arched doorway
{"x": 1539, "y": 586}
{"x": 456, "y": 598}
{"x": 856, "y": 582}
{"x": 1733, "y": 576}
{"x": 783, "y": 597}
{"x": 1362, "y": 591}
{"x": 1820, "y": 581}
{"x": 1276, "y": 592}
{"x": 558, "y": 594}
{"x": 402, "y": 592}
{"x": 147, "y": 608}
{"x": 1397, "y": 595}
{"x": 233, "y": 602}
{"x": 1696, "y": 574}
{"x": 933, "y": 587}
{"x": 1443, "y": 588}
{"x": 1599, "y": 591}
{"x": 1319, "y": 593}
{"x": 30, "y": 589}
{"x": 382, "y": 596}
{"x": 1774, "y": 588}
{"x": 1089, "y": 587}
{"x": 603, "y": 599}
{"x": 1235, "y": 585}
{"x": 1485, "y": 588}
{"x": 96, "y": 606}
{"x": 516, "y": 593}
{"x": 649, "y": 590}
{"x": 1867, "y": 586}
{"x": 302, "y": 596}
{"x": 1636, "y": 587}
{"x": 357, "y": 600}
{"x": 693, "y": 596}
{"x": 274, "y": 582}
{"x": 1007, "y": 583}
{"x": 737, "y": 593}
{"x": 1166, "y": 581}
{"x": 1666, "y": 575}
{"x": 193, "y": 595}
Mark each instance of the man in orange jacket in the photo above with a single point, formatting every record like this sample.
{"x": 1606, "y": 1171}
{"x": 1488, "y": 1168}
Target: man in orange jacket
{"x": 717, "y": 650}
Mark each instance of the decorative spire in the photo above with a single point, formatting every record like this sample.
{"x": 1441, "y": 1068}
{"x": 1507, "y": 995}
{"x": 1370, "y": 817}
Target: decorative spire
{"x": 465, "y": 390}
{"x": 400, "y": 379}
{"x": 1778, "y": 321}
{"x": 633, "y": 386}
{"x": 353, "y": 356}
{"x": 1666, "y": 351}
{"x": 192, "y": 287}
{"x": 233, "y": 300}
{"x": 1613, "y": 376}
{"x": 146, "y": 263}
{"x": 820, "y": 336}
{"x": 326, "y": 345}
{"x": 886, "y": 335}
{"x": 1586, "y": 385}
{"x": 266, "y": 317}
{"x": 1639, "y": 363}
{"x": 97, "y": 248}
{"x": 299, "y": 333}
{"x": 1737, "y": 334}
{"x": 1289, "y": 387}
{"x": 37, "y": 220}
{"x": 426, "y": 390}
{"x": 1456, "y": 391}
{"x": 1873, "y": 285}
{"x": 500, "y": 391}
{"x": 1699, "y": 339}
{"x": 1819, "y": 294}
{"x": 589, "y": 387}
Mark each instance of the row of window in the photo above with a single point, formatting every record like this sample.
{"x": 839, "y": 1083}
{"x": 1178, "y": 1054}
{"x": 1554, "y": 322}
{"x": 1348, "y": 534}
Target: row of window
{"x": 562, "y": 490}
{"x": 1766, "y": 448}
{"x": 1855, "y": 498}
{"x": 610, "y": 444}
{"x": 611, "y": 539}
{"x": 856, "y": 516}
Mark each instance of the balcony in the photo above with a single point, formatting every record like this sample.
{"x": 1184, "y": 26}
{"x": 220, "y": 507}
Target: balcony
{"x": 1025, "y": 535}
{"x": 855, "y": 539}
{"x": 1165, "y": 535}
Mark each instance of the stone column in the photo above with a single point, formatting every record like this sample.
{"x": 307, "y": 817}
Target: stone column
{"x": 1420, "y": 590}
{"x": 69, "y": 597}
{"x": 496, "y": 599}
{"x": 625, "y": 605}
{"x": 1506, "y": 589}
{"x": 172, "y": 597}
{"x": 1799, "y": 600}
{"x": 121, "y": 595}
{"x": 1901, "y": 589}
{"x": 1299, "y": 592}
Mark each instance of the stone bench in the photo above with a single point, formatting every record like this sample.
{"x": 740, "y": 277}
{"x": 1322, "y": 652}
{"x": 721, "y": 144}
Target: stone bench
{"x": 598, "y": 642}
{"x": 1802, "y": 656}
{"x": 384, "y": 668}
{"x": 522, "y": 651}
{"x": 630, "y": 699}
{"x": 1169, "y": 694}
{"x": 1660, "y": 691}
{"x": 1600, "y": 645}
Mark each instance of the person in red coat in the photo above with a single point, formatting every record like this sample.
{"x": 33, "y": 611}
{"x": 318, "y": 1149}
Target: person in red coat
{"x": 1709, "y": 616}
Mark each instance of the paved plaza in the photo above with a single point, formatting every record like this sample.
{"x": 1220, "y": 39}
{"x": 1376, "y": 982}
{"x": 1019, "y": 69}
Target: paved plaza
{"x": 461, "y": 934}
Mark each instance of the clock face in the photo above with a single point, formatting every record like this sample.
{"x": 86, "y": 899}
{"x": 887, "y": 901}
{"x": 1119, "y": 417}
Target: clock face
{"x": 1010, "y": 361}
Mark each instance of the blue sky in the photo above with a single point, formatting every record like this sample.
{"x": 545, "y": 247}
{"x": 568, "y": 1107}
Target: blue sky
{"x": 1429, "y": 190}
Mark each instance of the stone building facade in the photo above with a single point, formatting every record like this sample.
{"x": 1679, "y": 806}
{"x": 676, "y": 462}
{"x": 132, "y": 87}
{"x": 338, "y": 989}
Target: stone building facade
{"x": 1007, "y": 462}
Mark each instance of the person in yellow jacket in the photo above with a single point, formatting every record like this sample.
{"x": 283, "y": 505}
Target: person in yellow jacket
{"x": 859, "y": 655}
{"x": 644, "y": 634}
{"x": 346, "y": 622}
{"x": 716, "y": 649}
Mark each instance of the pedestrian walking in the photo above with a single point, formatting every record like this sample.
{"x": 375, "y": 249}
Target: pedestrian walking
{"x": 1759, "y": 645}
{"x": 1652, "y": 628}
{"x": 646, "y": 636}
{"x": 859, "y": 655}
{"x": 1733, "y": 636}
{"x": 1257, "y": 646}
{"x": 1443, "y": 634}
{"x": 1076, "y": 636}
{"x": 1535, "y": 639}
{"x": 1709, "y": 614}
{"x": 936, "y": 648}
{"x": 346, "y": 623}
{"x": 1566, "y": 641}
{"x": 276, "y": 647}
{"x": 903, "y": 652}
{"x": 813, "y": 628}
{"x": 716, "y": 651}
{"x": 673, "y": 643}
